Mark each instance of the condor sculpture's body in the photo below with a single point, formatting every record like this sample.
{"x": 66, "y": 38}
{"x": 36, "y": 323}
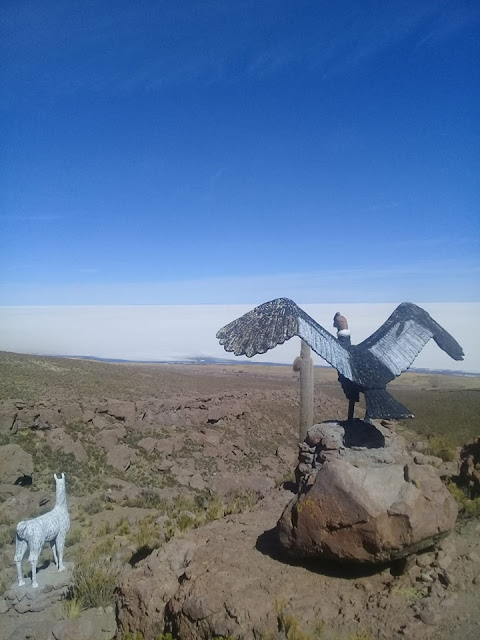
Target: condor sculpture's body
{"x": 363, "y": 368}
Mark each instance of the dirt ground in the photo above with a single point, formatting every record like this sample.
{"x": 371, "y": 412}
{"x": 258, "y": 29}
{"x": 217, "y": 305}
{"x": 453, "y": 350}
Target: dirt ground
{"x": 157, "y": 452}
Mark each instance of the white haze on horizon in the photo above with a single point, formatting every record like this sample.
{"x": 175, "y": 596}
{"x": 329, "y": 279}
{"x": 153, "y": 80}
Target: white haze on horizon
{"x": 188, "y": 331}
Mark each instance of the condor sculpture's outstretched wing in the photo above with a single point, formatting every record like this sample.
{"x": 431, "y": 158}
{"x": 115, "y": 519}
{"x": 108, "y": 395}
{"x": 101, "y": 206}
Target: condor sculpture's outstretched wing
{"x": 401, "y": 338}
{"x": 274, "y": 322}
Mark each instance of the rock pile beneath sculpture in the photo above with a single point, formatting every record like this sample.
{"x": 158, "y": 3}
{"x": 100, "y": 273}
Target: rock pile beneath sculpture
{"x": 363, "y": 498}
{"x": 27, "y": 613}
{"x": 53, "y": 586}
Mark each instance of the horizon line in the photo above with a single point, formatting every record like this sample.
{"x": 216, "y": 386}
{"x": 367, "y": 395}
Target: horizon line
{"x": 209, "y": 360}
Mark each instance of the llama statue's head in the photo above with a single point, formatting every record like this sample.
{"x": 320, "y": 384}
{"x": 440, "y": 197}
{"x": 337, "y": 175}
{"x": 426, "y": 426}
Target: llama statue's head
{"x": 61, "y": 491}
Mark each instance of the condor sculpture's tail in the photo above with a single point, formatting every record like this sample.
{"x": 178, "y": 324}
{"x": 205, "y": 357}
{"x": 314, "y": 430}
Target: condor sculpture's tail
{"x": 381, "y": 405}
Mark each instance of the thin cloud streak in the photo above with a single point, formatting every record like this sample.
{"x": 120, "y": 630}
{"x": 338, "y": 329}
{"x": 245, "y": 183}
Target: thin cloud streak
{"x": 235, "y": 51}
{"x": 448, "y": 242}
{"x": 33, "y": 218}
{"x": 374, "y": 208}
{"x": 434, "y": 282}
{"x": 448, "y": 25}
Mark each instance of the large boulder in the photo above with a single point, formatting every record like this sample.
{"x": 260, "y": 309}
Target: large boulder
{"x": 108, "y": 438}
{"x": 363, "y": 504}
{"x": 122, "y": 410}
{"x": 46, "y": 419}
{"x": 16, "y": 465}
{"x": 7, "y": 419}
{"x": 59, "y": 440}
{"x": 121, "y": 456}
{"x": 71, "y": 412}
{"x": 143, "y": 595}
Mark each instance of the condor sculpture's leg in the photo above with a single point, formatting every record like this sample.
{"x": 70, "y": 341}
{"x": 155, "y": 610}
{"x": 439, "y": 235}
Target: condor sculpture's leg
{"x": 351, "y": 390}
{"x": 351, "y": 409}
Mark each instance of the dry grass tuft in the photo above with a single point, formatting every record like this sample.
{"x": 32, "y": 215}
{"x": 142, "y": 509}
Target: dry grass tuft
{"x": 94, "y": 579}
{"x": 468, "y": 508}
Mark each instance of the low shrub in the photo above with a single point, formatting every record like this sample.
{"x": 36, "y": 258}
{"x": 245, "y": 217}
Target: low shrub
{"x": 468, "y": 508}
{"x": 71, "y": 609}
{"x": 123, "y": 527}
{"x": 186, "y": 521}
{"x": 240, "y": 501}
{"x": 94, "y": 579}
{"x": 73, "y": 536}
{"x": 5, "y": 519}
{"x": 410, "y": 594}
{"x": 441, "y": 447}
{"x": 94, "y": 506}
{"x": 290, "y": 628}
{"x": 147, "y": 534}
{"x": 148, "y": 499}
{"x": 214, "y": 510}
{"x": 7, "y": 535}
{"x": 104, "y": 529}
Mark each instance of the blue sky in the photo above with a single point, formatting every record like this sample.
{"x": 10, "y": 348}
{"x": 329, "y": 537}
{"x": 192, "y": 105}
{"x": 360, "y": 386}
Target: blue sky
{"x": 229, "y": 152}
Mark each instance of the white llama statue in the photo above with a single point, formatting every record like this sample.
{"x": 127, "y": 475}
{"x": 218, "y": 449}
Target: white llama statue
{"x": 50, "y": 527}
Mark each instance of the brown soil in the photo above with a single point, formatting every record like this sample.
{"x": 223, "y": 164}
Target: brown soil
{"x": 217, "y": 429}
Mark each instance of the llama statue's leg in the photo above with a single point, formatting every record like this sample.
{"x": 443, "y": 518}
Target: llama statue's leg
{"x": 20, "y": 548}
{"x": 53, "y": 544}
{"x": 33, "y": 562}
{"x": 60, "y": 544}
{"x": 33, "y": 559}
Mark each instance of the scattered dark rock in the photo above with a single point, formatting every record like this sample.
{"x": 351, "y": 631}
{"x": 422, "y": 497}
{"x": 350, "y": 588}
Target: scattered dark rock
{"x": 470, "y": 467}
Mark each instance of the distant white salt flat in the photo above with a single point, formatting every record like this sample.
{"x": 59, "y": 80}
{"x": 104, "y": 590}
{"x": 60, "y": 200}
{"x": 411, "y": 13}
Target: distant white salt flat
{"x": 171, "y": 333}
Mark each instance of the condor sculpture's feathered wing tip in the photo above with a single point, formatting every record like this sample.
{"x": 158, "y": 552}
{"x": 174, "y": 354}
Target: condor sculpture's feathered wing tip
{"x": 401, "y": 338}
{"x": 261, "y": 329}
{"x": 275, "y": 322}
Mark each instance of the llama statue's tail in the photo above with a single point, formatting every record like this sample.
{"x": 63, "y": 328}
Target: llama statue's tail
{"x": 21, "y": 529}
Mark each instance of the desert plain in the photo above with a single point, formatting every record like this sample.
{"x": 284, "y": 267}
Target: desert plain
{"x": 177, "y": 475}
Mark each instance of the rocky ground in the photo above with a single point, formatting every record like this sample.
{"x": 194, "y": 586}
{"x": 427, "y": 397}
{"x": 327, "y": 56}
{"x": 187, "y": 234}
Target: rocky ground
{"x": 176, "y": 477}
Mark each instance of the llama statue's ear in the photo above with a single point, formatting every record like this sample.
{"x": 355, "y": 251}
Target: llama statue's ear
{"x": 63, "y": 476}
{"x": 55, "y": 476}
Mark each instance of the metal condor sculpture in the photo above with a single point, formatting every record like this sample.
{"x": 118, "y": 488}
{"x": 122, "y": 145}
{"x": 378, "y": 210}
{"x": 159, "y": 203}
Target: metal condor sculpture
{"x": 363, "y": 368}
